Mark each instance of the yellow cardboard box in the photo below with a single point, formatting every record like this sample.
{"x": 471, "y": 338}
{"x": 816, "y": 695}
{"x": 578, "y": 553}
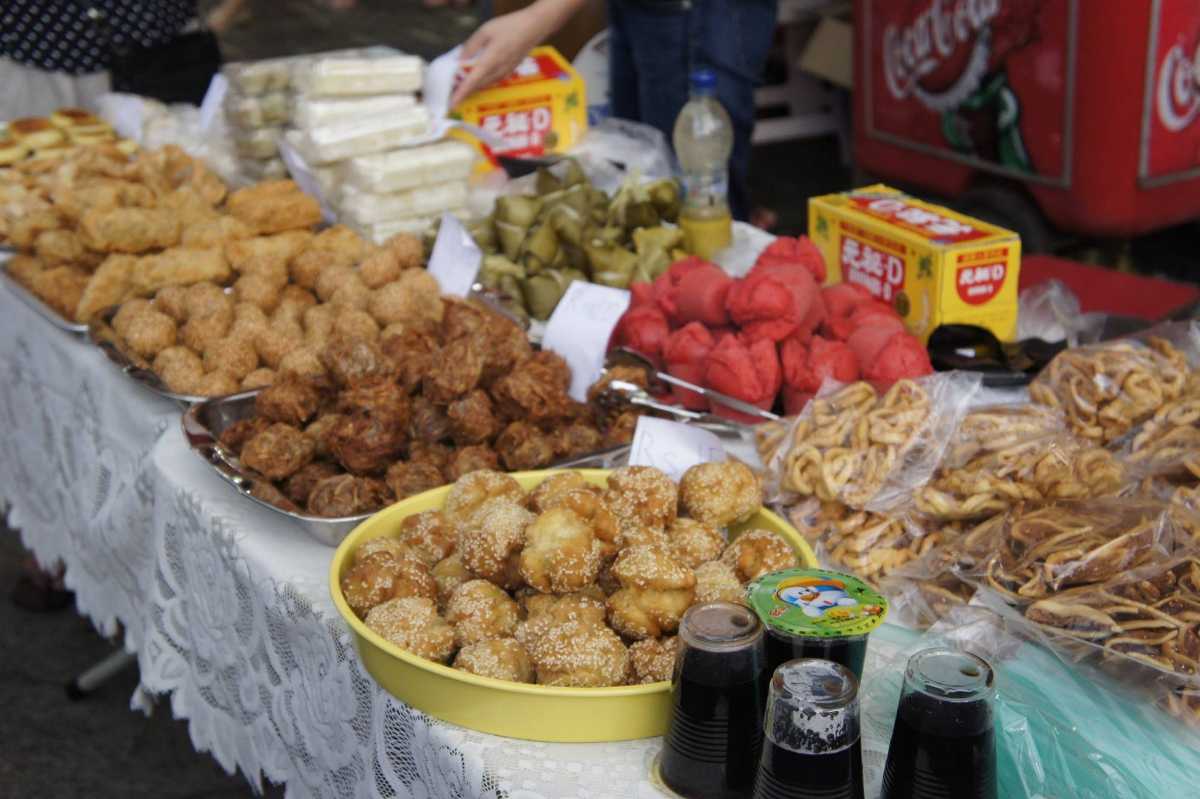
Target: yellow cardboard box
{"x": 934, "y": 265}
{"x": 540, "y": 108}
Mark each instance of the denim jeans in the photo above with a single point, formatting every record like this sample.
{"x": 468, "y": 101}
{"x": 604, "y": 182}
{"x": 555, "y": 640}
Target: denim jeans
{"x": 655, "y": 44}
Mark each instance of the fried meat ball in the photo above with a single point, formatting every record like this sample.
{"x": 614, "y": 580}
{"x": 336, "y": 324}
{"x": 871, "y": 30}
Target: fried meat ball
{"x": 550, "y": 491}
{"x": 642, "y": 496}
{"x": 413, "y": 297}
{"x": 561, "y": 553}
{"x": 459, "y": 366}
{"x": 278, "y": 452}
{"x": 436, "y": 455}
{"x": 471, "y": 420}
{"x": 720, "y": 494}
{"x": 237, "y": 434}
{"x": 498, "y": 658}
{"x": 461, "y": 318}
{"x": 717, "y": 580}
{"x": 206, "y": 299}
{"x": 428, "y": 422}
{"x": 694, "y": 542}
{"x": 534, "y": 389}
{"x": 758, "y": 552}
{"x": 581, "y": 656}
{"x": 414, "y": 353}
{"x": 480, "y": 610}
{"x": 290, "y": 400}
{"x": 491, "y": 541}
{"x": 172, "y": 300}
{"x": 353, "y": 323}
{"x": 199, "y": 331}
{"x": 303, "y": 362}
{"x": 367, "y": 443}
{"x": 150, "y": 332}
{"x": 407, "y": 479}
{"x": 449, "y": 573}
{"x": 428, "y": 535}
{"x": 465, "y": 460}
{"x": 307, "y": 267}
{"x": 469, "y": 493}
{"x": 126, "y": 313}
{"x": 299, "y": 486}
{"x": 235, "y": 356}
{"x": 266, "y": 491}
{"x": 619, "y": 432}
{"x": 522, "y": 446}
{"x": 653, "y": 660}
{"x": 655, "y": 592}
{"x": 352, "y": 294}
{"x": 376, "y": 578}
{"x": 355, "y": 362}
{"x": 507, "y": 345}
{"x": 331, "y": 280}
{"x": 319, "y": 431}
{"x": 408, "y": 249}
{"x": 217, "y": 384}
{"x": 412, "y": 623}
{"x": 577, "y": 438}
{"x": 347, "y": 495}
{"x": 180, "y": 368}
{"x": 272, "y": 344}
{"x": 379, "y": 268}
{"x": 259, "y": 378}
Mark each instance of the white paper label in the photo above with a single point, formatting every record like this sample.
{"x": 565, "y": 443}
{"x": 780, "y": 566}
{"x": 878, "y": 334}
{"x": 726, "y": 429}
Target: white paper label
{"x": 673, "y": 447}
{"x": 579, "y": 330}
{"x": 455, "y": 259}
{"x": 210, "y": 106}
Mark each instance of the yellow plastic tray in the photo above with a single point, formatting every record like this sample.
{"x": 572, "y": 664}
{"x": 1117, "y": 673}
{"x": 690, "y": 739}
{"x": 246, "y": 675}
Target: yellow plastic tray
{"x": 499, "y": 707}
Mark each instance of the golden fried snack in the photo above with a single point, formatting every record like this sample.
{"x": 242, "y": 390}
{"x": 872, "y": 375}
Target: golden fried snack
{"x": 265, "y": 292}
{"x": 717, "y": 580}
{"x": 343, "y": 240}
{"x": 871, "y": 545}
{"x": 234, "y": 356}
{"x": 319, "y": 429}
{"x": 318, "y": 324}
{"x": 235, "y": 436}
{"x": 491, "y": 541}
{"x": 149, "y": 333}
{"x": 471, "y": 420}
{"x": 180, "y": 368}
{"x": 465, "y": 460}
{"x": 436, "y": 455}
{"x": 412, "y": 623}
{"x": 179, "y": 266}
{"x": 642, "y": 496}
{"x": 271, "y": 343}
{"x": 266, "y": 491}
{"x": 171, "y": 300}
{"x": 26, "y": 227}
{"x": 188, "y": 206}
{"x": 458, "y": 371}
{"x": 278, "y": 452}
{"x": 380, "y": 268}
{"x": 507, "y": 345}
{"x": 61, "y": 288}
{"x": 59, "y": 247}
{"x": 480, "y": 610}
{"x": 413, "y": 297}
{"x": 550, "y": 491}
{"x": 353, "y": 294}
{"x": 757, "y": 552}
{"x": 129, "y": 230}
{"x": 522, "y": 447}
{"x": 428, "y": 535}
{"x": 561, "y": 553}
{"x": 720, "y": 494}
{"x": 588, "y": 504}
{"x": 291, "y": 400}
{"x": 449, "y": 573}
{"x": 246, "y": 253}
{"x": 535, "y": 389}
{"x": 351, "y": 323}
{"x": 347, "y": 495}
{"x": 497, "y": 658}
{"x": 576, "y": 438}
{"x": 693, "y": 542}
{"x": 407, "y": 479}
{"x": 367, "y": 442}
{"x": 376, "y": 578}
{"x": 580, "y": 655}
{"x": 1168, "y": 444}
{"x": 299, "y": 486}
{"x": 653, "y": 660}
{"x": 307, "y": 267}
{"x": 23, "y": 268}
{"x": 414, "y": 353}
{"x": 331, "y": 279}
{"x": 303, "y": 362}
{"x": 274, "y": 206}
{"x": 354, "y": 362}
{"x": 470, "y": 492}
{"x": 199, "y": 331}
{"x": 217, "y": 384}
{"x": 213, "y": 233}
{"x": 109, "y": 285}
{"x": 428, "y": 422}
{"x": 206, "y": 299}
{"x": 408, "y": 249}
{"x": 655, "y": 591}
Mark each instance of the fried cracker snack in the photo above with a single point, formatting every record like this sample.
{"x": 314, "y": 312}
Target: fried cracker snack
{"x": 274, "y": 207}
{"x": 129, "y": 230}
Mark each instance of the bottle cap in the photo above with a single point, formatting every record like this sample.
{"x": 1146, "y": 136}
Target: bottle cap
{"x": 704, "y": 79}
{"x": 815, "y": 603}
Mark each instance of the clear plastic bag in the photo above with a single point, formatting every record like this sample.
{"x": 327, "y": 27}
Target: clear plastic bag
{"x": 312, "y": 112}
{"x": 355, "y": 137}
{"x": 252, "y": 78}
{"x": 411, "y": 167}
{"x": 1050, "y": 311}
{"x": 368, "y": 208}
{"x": 336, "y": 76}
{"x": 260, "y": 144}
{"x": 866, "y": 449}
{"x": 257, "y": 111}
{"x": 616, "y": 148}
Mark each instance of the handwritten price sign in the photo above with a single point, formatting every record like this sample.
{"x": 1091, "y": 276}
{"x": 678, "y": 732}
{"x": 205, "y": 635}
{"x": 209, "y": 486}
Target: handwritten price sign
{"x": 673, "y": 447}
{"x": 579, "y": 330}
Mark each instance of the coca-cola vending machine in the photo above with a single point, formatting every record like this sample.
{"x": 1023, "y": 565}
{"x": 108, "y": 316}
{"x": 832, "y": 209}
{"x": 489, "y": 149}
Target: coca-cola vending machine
{"x": 1081, "y": 113}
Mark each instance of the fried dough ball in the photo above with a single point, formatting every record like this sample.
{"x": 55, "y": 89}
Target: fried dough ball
{"x": 653, "y": 660}
{"x": 379, "y": 268}
{"x": 149, "y": 333}
{"x": 480, "y": 610}
{"x": 469, "y": 493}
{"x": 347, "y": 495}
{"x": 303, "y": 362}
{"x": 498, "y": 658}
{"x": 294, "y": 301}
{"x": 291, "y": 400}
{"x": 408, "y": 249}
{"x": 655, "y": 592}
{"x": 465, "y": 460}
{"x": 535, "y": 388}
{"x": 355, "y": 362}
{"x": 436, "y": 455}
{"x": 381, "y": 543}
{"x": 331, "y": 280}
{"x": 306, "y": 268}
{"x": 407, "y": 479}
{"x": 758, "y": 552}
{"x": 461, "y": 318}
{"x": 257, "y": 290}
{"x": 720, "y": 494}
{"x": 588, "y": 504}
{"x": 717, "y": 580}
{"x": 180, "y": 368}
{"x": 577, "y": 438}
{"x": 449, "y": 573}
{"x": 237, "y": 434}
{"x": 414, "y": 353}
{"x": 126, "y": 313}
{"x": 353, "y": 323}
{"x": 217, "y": 384}
{"x": 561, "y": 553}
{"x": 273, "y": 345}
{"x": 259, "y": 378}
{"x": 249, "y": 318}
{"x": 172, "y": 300}
{"x": 413, "y": 297}
{"x": 428, "y": 535}
{"x": 320, "y": 429}
{"x": 299, "y": 486}
{"x": 278, "y": 452}
{"x": 522, "y": 446}
{"x": 491, "y": 541}
{"x": 352, "y": 294}
{"x": 470, "y": 419}
{"x": 693, "y": 542}
{"x": 266, "y": 491}
{"x": 639, "y": 535}
{"x": 619, "y": 432}
{"x": 376, "y": 578}
{"x": 318, "y": 322}
{"x": 459, "y": 366}
{"x": 428, "y": 421}
{"x": 580, "y": 655}
{"x": 550, "y": 491}
{"x": 507, "y": 345}
{"x": 235, "y": 356}
{"x": 206, "y": 299}
{"x": 199, "y": 331}
{"x": 367, "y": 443}
{"x": 412, "y": 623}
{"x": 642, "y": 496}
{"x": 544, "y": 611}
{"x": 652, "y": 567}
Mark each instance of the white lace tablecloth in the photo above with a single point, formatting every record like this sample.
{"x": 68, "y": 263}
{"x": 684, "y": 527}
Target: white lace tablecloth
{"x": 227, "y": 605}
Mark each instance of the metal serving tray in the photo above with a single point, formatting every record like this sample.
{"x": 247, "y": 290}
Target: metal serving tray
{"x": 29, "y": 298}
{"x": 101, "y": 334}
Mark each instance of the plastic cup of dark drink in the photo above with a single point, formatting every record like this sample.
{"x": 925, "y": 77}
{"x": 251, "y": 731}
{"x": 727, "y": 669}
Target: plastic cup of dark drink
{"x": 712, "y": 745}
{"x": 811, "y": 748}
{"x": 814, "y": 613}
{"x": 944, "y": 743}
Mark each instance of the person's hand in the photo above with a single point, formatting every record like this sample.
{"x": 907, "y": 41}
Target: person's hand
{"x": 496, "y": 49}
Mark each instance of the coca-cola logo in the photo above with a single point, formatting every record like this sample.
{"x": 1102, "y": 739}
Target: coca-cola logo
{"x": 1177, "y": 97}
{"x": 923, "y": 47}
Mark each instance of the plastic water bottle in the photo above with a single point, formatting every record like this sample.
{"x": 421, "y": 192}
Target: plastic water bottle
{"x": 703, "y": 139}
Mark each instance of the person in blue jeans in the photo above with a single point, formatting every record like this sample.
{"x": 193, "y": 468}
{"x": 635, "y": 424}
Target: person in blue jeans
{"x": 653, "y": 46}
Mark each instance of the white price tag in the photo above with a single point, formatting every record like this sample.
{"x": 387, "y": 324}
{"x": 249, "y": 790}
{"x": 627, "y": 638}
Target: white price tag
{"x": 673, "y": 447}
{"x": 210, "y": 106}
{"x": 579, "y": 330}
{"x": 455, "y": 259}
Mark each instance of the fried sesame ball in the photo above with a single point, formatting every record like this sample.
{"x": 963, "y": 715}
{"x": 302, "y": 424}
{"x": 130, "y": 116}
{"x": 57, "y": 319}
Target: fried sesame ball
{"x": 491, "y": 541}
{"x": 233, "y": 355}
{"x": 716, "y": 580}
{"x": 412, "y": 623}
{"x": 259, "y": 378}
{"x": 471, "y": 490}
{"x": 127, "y": 312}
{"x": 172, "y": 300}
{"x": 480, "y": 610}
{"x": 642, "y": 495}
{"x": 547, "y": 492}
{"x": 381, "y": 543}
{"x": 449, "y": 573}
{"x": 351, "y": 323}
{"x": 150, "y": 332}
{"x": 758, "y": 552}
{"x": 380, "y": 574}
{"x": 561, "y": 553}
{"x": 498, "y": 658}
{"x": 693, "y": 542}
{"x": 428, "y": 535}
{"x": 217, "y": 384}
{"x": 198, "y": 331}
{"x": 379, "y": 268}
{"x": 720, "y": 494}
{"x": 653, "y": 660}
{"x": 580, "y": 655}
{"x": 331, "y": 280}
